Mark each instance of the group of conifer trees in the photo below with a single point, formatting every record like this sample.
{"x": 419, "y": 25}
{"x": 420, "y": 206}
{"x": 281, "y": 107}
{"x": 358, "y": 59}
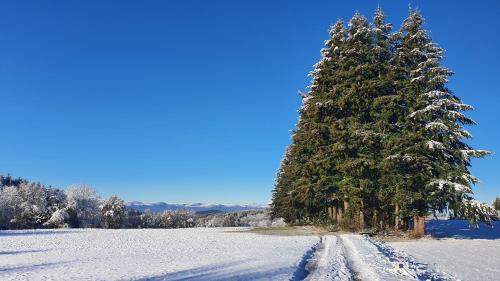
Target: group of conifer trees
{"x": 380, "y": 141}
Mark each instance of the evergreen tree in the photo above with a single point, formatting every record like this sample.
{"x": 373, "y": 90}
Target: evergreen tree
{"x": 299, "y": 194}
{"x": 354, "y": 139}
{"x": 380, "y": 138}
{"x": 384, "y": 112}
{"x": 432, "y": 154}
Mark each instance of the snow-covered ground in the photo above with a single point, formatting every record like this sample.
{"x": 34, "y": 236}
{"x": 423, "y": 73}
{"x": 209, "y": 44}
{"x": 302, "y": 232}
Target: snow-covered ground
{"x": 150, "y": 254}
{"x": 467, "y": 254}
{"x": 235, "y": 254}
{"x": 371, "y": 259}
{"x": 330, "y": 261}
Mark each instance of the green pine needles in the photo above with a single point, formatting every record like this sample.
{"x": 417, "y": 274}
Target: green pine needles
{"x": 380, "y": 139}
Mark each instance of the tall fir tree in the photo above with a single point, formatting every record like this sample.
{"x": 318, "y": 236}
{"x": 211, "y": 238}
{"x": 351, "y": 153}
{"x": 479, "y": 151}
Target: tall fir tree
{"x": 380, "y": 138}
{"x": 385, "y": 111}
{"x": 299, "y": 195}
{"x": 358, "y": 134}
{"x": 432, "y": 154}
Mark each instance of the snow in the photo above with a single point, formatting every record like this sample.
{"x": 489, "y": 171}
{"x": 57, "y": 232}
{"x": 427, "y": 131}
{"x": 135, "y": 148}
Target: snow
{"x": 436, "y": 94}
{"x": 374, "y": 260}
{"x": 462, "y": 134}
{"x": 467, "y": 153}
{"x": 455, "y": 253}
{"x": 468, "y": 254}
{"x": 154, "y": 254}
{"x": 426, "y": 109}
{"x": 434, "y": 145}
{"x": 436, "y": 125}
{"x": 470, "y": 178}
{"x": 473, "y": 260}
{"x": 417, "y": 79}
{"x": 456, "y": 186}
{"x": 460, "y": 117}
{"x": 331, "y": 261}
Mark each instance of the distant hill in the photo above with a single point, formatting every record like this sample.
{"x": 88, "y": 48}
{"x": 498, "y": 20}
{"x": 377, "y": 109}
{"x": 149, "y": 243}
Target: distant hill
{"x": 196, "y": 207}
{"x": 209, "y": 212}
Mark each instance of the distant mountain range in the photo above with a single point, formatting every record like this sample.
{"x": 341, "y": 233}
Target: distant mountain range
{"x": 196, "y": 207}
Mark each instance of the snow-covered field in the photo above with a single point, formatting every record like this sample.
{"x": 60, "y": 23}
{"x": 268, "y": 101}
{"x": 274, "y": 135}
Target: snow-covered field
{"x": 467, "y": 254}
{"x": 236, "y": 254}
{"x": 150, "y": 254}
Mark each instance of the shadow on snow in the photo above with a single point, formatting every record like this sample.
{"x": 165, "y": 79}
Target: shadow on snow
{"x": 460, "y": 229}
{"x": 38, "y": 232}
{"x": 21, "y": 252}
{"x": 27, "y": 268}
{"x": 222, "y": 272}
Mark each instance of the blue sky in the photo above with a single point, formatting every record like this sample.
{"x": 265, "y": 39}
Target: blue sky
{"x": 192, "y": 101}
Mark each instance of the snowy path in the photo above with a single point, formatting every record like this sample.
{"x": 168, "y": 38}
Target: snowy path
{"x": 330, "y": 261}
{"x": 355, "y": 257}
{"x": 371, "y": 259}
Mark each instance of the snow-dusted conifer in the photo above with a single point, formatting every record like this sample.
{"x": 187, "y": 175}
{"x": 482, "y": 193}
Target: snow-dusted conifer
{"x": 298, "y": 195}
{"x": 380, "y": 136}
{"x": 434, "y": 136}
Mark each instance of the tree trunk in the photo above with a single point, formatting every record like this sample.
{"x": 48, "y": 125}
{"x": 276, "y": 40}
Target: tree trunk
{"x": 397, "y": 221}
{"x": 339, "y": 216}
{"x": 374, "y": 220}
{"x": 361, "y": 216}
{"x": 361, "y": 220}
{"x": 334, "y": 214}
{"x": 418, "y": 226}
{"x": 329, "y": 209}
{"x": 381, "y": 220}
{"x": 346, "y": 205}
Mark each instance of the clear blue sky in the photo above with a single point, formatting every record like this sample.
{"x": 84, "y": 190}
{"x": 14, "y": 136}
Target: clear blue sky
{"x": 192, "y": 101}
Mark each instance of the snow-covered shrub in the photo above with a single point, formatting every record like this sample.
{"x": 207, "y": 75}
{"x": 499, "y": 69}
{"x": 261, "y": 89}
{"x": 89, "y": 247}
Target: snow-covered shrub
{"x": 30, "y": 208}
{"x": 279, "y": 222}
{"x": 165, "y": 220}
{"x": 58, "y": 219}
{"x": 231, "y": 220}
{"x": 85, "y": 202}
{"x": 224, "y": 220}
{"x": 113, "y": 212}
{"x": 56, "y": 199}
{"x": 210, "y": 221}
{"x": 132, "y": 219}
{"x": 28, "y": 204}
{"x": 175, "y": 219}
{"x": 10, "y": 200}
{"x": 148, "y": 220}
{"x": 244, "y": 218}
{"x": 256, "y": 219}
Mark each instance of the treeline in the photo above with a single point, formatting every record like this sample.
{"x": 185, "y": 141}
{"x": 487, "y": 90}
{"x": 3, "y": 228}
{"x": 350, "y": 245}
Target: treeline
{"x": 380, "y": 142}
{"x": 25, "y": 204}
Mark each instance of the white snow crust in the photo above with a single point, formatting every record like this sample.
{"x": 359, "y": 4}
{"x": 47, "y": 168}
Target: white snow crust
{"x": 149, "y": 254}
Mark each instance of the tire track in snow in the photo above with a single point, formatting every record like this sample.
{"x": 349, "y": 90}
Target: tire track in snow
{"x": 302, "y": 270}
{"x": 374, "y": 260}
{"x": 330, "y": 262}
{"x": 419, "y": 270}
